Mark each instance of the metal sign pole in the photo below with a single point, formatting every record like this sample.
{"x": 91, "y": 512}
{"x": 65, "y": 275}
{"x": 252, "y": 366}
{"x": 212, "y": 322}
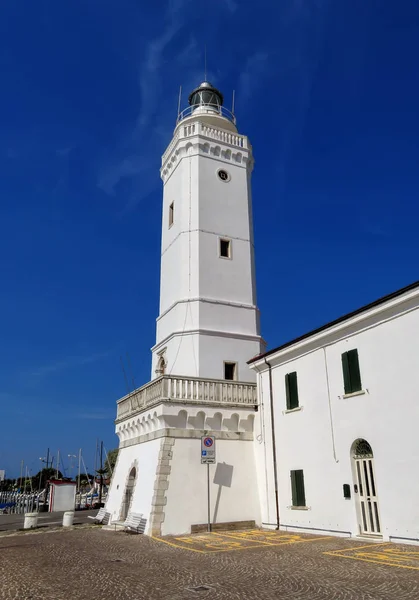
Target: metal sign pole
{"x": 208, "y": 458}
{"x": 209, "y": 498}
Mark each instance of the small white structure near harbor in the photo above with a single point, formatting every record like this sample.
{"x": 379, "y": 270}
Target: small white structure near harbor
{"x": 318, "y": 435}
{"x": 62, "y": 495}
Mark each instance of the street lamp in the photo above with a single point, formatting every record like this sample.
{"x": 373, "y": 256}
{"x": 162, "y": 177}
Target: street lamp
{"x": 71, "y": 456}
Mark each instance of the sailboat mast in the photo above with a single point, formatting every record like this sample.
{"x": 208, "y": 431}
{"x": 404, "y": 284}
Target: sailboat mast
{"x": 78, "y": 480}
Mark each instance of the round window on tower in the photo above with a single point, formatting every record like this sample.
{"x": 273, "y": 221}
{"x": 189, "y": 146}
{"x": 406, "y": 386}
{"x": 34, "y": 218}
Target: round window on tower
{"x": 223, "y": 175}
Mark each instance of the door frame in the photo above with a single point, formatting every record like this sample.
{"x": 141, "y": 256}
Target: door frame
{"x": 129, "y": 487}
{"x": 365, "y": 489}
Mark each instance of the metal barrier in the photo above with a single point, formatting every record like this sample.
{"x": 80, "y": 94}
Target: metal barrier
{"x": 20, "y": 503}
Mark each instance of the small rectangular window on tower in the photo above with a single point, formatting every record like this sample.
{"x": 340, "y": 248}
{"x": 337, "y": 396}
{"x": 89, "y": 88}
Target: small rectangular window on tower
{"x": 225, "y": 248}
{"x": 351, "y": 372}
{"x": 171, "y": 214}
{"x": 230, "y": 371}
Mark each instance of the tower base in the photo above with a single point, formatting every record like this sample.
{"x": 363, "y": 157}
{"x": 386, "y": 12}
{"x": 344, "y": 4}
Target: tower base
{"x": 159, "y": 472}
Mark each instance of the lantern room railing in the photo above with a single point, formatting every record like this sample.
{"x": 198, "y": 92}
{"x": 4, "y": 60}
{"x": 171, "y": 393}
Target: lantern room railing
{"x": 202, "y": 109}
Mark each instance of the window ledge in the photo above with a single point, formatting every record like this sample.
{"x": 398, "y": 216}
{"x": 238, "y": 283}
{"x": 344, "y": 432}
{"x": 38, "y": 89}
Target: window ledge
{"x": 358, "y": 393}
{"x": 292, "y": 410}
{"x": 300, "y": 507}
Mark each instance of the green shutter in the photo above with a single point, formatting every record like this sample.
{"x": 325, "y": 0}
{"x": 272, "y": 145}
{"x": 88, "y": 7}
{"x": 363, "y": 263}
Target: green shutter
{"x": 351, "y": 372}
{"x": 291, "y": 389}
{"x": 297, "y": 488}
{"x": 301, "y": 496}
{"x": 354, "y": 370}
{"x": 287, "y": 391}
{"x": 294, "y": 488}
{"x": 346, "y": 375}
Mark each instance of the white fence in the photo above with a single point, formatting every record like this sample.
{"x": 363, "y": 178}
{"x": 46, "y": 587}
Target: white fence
{"x": 88, "y": 500}
{"x": 20, "y": 503}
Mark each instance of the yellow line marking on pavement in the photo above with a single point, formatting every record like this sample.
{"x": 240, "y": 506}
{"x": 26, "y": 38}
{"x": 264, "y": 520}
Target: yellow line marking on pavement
{"x": 244, "y": 539}
{"x": 376, "y": 562}
{"x": 402, "y": 552}
{"x": 389, "y": 557}
{"x": 177, "y": 545}
{"x": 297, "y": 539}
{"x": 355, "y": 548}
{"x": 209, "y": 548}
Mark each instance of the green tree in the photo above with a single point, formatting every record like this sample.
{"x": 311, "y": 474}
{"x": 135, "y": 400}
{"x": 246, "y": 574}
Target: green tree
{"x": 111, "y": 462}
{"x": 39, "y": 481}
{"x": 8, "y": 485}
{"x": 85, "y": 480}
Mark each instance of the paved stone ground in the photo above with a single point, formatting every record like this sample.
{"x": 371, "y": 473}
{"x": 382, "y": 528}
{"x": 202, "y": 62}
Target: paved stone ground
{"x": 89, "y": 562}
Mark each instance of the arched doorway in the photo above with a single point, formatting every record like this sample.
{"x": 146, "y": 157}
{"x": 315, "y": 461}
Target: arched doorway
{"x": 129, "y": 491}
{"x": 365, "y": 488}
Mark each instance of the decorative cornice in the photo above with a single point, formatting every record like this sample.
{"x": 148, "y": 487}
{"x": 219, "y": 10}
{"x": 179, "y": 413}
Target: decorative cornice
{"x": 198, "y": 229}
{"x": 208, "y": 301}
{"x": 244, "y": 436}
{"x": 210, "y": 332}
{"x": 197, "y": 127}
{"x": 212, "y": 151}
{"x": 199, "y": 144}
{"x": 188, "y": 403}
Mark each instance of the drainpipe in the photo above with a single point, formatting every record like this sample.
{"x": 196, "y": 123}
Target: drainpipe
{"x": 271, "y": 402}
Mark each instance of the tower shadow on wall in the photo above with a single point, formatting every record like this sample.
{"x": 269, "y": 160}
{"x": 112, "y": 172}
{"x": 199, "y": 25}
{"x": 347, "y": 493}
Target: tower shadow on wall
{"x": 223, "y": 477}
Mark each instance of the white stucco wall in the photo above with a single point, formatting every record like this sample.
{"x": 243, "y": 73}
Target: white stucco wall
{"x": 144, "y": 457}
{"x": 187, "y": 491}
{"x": 386, "y": 416}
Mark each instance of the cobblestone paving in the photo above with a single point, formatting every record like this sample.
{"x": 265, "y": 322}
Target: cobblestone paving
{"x": 93, "y": 563}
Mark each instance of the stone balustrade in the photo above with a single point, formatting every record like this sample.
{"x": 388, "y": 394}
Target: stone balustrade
{"x": 170, "y": 388}
{"x": 223, "y": 136}
{"x": 198, "y": 128}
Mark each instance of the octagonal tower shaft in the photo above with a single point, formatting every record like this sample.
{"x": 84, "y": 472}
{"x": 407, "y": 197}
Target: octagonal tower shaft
{"x": 208, "y": 325}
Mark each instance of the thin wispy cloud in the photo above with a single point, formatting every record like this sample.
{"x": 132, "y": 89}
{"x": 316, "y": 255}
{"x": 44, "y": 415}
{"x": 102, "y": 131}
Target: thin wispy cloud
{"x": 231, "y": 5}
{"x": 374, "y": 228}
{"x": 129, "y": 171}
{"x": 65, "y": 364}
{"x": 95, "y": 416}
{"x": 256, "y": 67}
{"x": 138, "y": 155}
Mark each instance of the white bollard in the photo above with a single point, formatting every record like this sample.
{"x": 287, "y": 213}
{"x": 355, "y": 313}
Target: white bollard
{"x": 31, "y": 520}
{"x": 68, "y": 518}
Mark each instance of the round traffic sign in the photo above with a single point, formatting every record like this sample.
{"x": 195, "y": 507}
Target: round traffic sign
{"x": 208, "y": 442}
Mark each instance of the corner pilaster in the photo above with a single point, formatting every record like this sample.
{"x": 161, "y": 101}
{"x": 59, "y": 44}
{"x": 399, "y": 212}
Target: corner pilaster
{"x": 161, "y": 485}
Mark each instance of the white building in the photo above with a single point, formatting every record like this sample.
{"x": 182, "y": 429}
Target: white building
{"x": 207, "y": 329}
{"x": 342, "y": 449}
{"x": 325, "y": 441}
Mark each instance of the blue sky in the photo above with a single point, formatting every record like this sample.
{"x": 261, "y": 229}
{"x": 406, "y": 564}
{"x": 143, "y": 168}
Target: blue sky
{"x": 328, "y": 93}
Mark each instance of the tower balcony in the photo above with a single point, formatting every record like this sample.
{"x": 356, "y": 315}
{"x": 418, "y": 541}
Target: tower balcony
{"x": 187, "y": 390}
{"x": 193, "y": 127}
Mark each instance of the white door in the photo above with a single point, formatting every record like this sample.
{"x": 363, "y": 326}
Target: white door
{"x": 365, "y": 489}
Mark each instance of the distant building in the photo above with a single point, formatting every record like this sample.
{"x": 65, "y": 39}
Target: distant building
{"x": 2, "y": 474}
{"x": 318, "y": 435}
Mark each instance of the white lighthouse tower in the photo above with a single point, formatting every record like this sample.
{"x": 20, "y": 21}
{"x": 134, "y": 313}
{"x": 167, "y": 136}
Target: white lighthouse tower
{"x": 207, "y": 330}
{"x": 208, "y": 324}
